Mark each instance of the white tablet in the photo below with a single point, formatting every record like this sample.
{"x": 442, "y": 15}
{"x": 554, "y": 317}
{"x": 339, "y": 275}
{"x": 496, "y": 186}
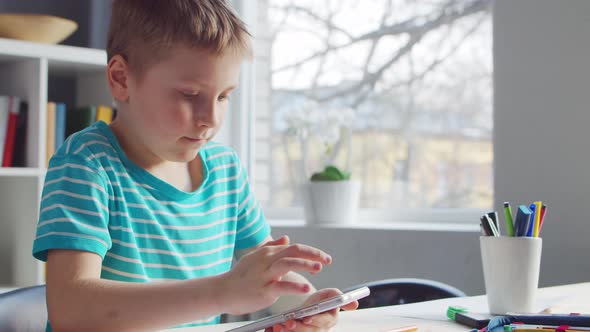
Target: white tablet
{"x": 308, "y": 310}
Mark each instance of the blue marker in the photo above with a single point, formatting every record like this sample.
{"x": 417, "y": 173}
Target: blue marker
{"x": 531, "y": 226}
{"x": 523, "y": 216}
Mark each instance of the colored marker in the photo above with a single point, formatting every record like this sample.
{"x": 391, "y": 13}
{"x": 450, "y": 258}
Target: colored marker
{"x": 539, "y": 328}
{"x": 494, "y": 216}
{"x": 531, "y": 226}
{"x": 523, "y": 215}
{"x": 485, "y": 226}
{"x": 543, "y": 212}
{"x": 508, "y": 219}
{"x": 538, "y": 207}
{"x": 492, "y": 225}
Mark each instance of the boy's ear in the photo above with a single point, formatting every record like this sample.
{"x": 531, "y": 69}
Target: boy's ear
{"x": 117, "y": 78}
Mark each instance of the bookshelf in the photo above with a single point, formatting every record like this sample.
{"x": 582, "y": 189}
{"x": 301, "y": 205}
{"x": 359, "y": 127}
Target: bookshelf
{"x": 38, "y": 73}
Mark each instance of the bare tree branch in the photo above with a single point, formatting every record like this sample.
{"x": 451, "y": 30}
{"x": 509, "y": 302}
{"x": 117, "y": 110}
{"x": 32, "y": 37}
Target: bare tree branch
{"x": 326, "y": 21}
{"x": 319, "y": 72}
{"x": 374, "y": 43}
{"x": 439, "y": 60}
{"x": 413, "y": 26}
{"x": 275, "y": 32}
{"x": 372, "y": 78}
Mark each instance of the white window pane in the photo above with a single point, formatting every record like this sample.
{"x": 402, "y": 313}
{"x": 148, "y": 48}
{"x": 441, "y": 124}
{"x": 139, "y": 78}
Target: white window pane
{"x": 417, "y": 77}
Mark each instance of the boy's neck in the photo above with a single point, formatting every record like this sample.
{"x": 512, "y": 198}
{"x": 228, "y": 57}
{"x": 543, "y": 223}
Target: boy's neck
{"x": 186, "y": 176}
{"x": 134, "y": 150}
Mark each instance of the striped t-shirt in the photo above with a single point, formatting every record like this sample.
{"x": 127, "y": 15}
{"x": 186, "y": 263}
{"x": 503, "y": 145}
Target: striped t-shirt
{"x": 95, "y": 199}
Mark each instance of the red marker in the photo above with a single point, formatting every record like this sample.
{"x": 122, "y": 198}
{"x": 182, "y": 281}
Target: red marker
{"x": 543, "y": 211}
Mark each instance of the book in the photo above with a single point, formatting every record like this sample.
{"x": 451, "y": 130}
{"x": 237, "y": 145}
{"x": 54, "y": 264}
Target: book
{"x": 20, "y": 142}
{"x": 50, "y": 135}
{"x": 4, "y": 108}
{"x": 60, "y": 124}
{"x": 79, "y": 118}
{"x": 13, "y": 111}
{"x": 104, "y": 113}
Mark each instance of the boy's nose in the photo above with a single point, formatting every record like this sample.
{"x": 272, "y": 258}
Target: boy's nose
{"x": 206, "y": 115}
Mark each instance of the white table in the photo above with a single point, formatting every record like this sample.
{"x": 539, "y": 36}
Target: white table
{"x": 6, "y": 289}
{"x": 431, "y": 316}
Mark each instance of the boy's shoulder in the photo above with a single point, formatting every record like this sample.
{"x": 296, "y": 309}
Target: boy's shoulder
{"x": 87, "y": 144}
{"x": 216, "y": 153}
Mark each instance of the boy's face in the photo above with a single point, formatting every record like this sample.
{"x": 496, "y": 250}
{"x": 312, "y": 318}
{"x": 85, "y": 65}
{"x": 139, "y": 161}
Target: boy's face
{"x": 180, "y": 102}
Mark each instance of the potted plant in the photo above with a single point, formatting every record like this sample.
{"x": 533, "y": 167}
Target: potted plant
{"x": 329, "y": 196}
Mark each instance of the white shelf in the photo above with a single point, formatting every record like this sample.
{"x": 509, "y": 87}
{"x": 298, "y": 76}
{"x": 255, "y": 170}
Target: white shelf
{"x": 26, "y": 69}
{"x": 58, "y": 56}
{"x": 20, "y": 171}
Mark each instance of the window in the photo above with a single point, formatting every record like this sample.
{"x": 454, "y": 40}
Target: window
{"x": 409, "y": 81}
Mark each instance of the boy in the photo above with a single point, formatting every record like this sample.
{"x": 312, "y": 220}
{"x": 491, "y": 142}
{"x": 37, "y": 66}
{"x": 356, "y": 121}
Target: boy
{"x": 140, "y": 219}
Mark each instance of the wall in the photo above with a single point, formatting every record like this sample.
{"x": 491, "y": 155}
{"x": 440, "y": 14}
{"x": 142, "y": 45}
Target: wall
{"x": 542, "y": 84}
{"x": 362, "y": 255}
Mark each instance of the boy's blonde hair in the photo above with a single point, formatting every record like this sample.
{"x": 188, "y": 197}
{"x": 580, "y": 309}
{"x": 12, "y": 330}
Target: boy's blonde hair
{"x": 141, "y": 31}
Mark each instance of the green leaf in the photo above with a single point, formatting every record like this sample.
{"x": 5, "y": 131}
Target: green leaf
{"x": 322, "y": 177}
{"x": 331, "y": 173}
{"x": 334, "y": 170}
{"x": 346, "y": 175}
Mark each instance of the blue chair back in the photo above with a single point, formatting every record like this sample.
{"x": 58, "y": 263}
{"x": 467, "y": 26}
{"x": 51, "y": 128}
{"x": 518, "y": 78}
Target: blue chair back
{"x": 405, "y": 291}
{"x": 23, "y": 310}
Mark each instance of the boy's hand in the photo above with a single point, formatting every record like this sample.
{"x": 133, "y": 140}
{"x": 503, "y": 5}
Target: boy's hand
{"x": 317, "y": 323}
{"x": 255, "y": 281}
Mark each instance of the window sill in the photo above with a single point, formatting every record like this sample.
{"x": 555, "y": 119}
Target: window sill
{"x": 401, "y": 226}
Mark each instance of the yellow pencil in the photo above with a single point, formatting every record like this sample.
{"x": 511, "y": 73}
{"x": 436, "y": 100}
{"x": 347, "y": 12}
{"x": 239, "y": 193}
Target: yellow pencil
{"x": 411, "y": 328}
{"x": 538, "y": 207}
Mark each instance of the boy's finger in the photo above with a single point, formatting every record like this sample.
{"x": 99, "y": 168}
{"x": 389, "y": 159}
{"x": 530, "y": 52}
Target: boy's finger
{"x": 324, "y": 320}
{"x": 350, "y": 306}
{"x": 286, "y": 326}
{"x": 303, "y": 251}
{"x": 307, "y": 320}
{"x": 285, "y": 265}
{"x": 290, "y": 324}
{"x": 280, "y": 288}
{"x": 283, "y": 240}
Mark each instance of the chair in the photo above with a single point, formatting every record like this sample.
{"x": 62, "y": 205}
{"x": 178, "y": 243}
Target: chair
{"x": 405, "y": 291}
{"x": 23, "y": 310}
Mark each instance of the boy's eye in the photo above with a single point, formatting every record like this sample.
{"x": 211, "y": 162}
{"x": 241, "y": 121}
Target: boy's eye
{"x": 223, "y": 98}
{"x": 189, "y": 94}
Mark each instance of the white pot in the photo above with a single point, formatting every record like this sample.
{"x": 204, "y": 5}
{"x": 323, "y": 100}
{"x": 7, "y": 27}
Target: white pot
{"x": 331, "y": 202}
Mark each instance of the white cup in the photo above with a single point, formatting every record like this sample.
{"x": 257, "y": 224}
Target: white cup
{"x": 511, "y": 272}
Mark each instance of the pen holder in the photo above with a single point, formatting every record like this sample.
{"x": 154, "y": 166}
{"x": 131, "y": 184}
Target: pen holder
{"x": 511, "y": 272}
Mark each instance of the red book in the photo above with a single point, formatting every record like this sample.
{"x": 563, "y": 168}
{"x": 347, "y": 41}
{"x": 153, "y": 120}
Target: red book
{"x": 13, "y": 109}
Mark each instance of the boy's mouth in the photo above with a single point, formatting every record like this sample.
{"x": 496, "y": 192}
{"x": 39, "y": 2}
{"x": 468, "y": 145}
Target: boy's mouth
{"x": 195, "y": 139}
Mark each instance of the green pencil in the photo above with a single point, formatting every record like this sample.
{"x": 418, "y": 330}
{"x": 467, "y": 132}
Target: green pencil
{"x": 509, "y": 222}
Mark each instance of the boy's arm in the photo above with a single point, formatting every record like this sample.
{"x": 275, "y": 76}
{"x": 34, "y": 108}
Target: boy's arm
{"x": 78, "y": 300}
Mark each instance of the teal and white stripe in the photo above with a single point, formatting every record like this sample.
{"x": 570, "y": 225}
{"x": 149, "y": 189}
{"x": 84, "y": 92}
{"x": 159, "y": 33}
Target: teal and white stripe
{"x": 95, "y": 199}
